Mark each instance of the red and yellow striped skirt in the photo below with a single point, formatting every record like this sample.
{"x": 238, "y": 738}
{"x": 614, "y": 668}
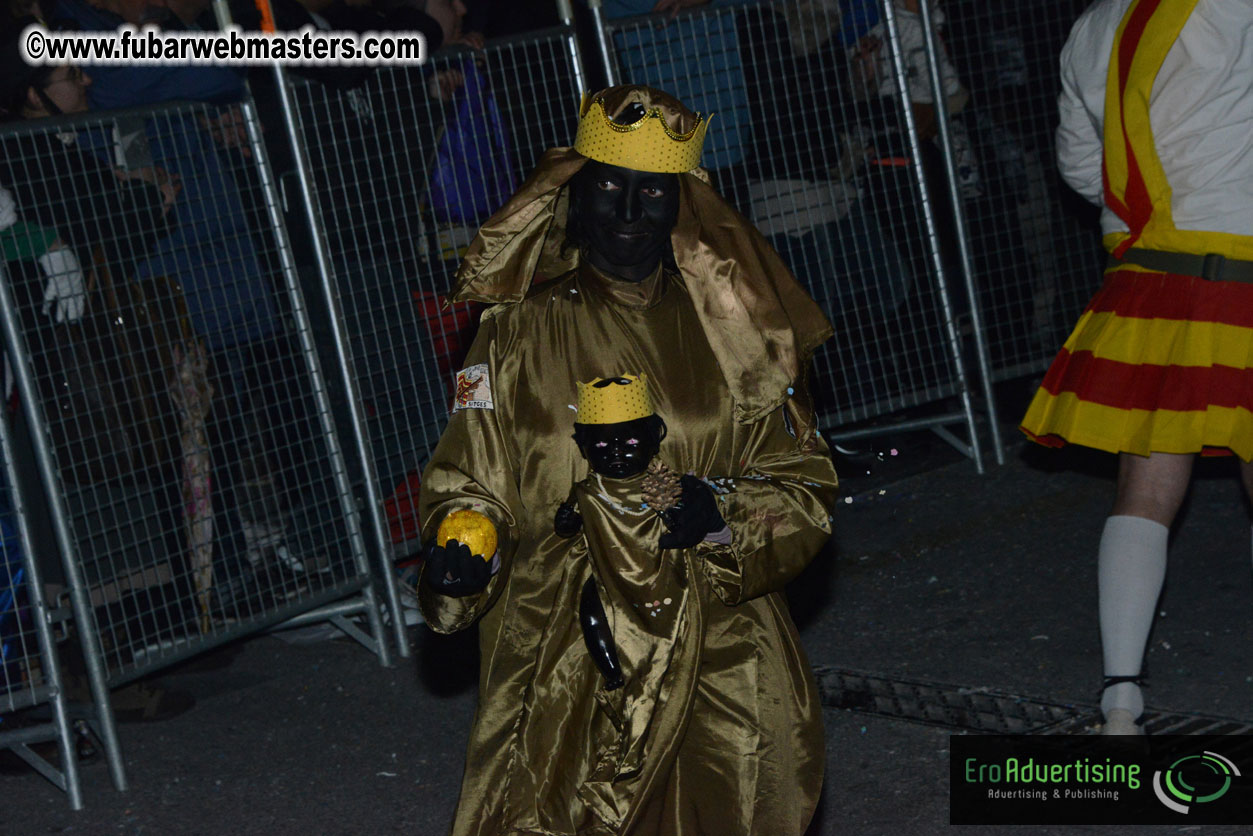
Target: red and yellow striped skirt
{"x": 1158, "y": 363}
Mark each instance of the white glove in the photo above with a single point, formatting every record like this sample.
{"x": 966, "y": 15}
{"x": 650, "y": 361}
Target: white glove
{"x": 65, "y": 285}
{"x": 8, "y": 209}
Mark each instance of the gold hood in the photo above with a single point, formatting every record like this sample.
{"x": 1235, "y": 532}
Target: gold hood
{"x": 762, "y": 326}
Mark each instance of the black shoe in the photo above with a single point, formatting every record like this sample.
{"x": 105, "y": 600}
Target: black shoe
{"x": 850, "y": 463}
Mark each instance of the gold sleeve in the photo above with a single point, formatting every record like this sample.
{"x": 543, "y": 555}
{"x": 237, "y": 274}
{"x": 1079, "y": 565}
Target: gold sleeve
{"x": 472, "y": 467}
{"x": 778, "y": 510}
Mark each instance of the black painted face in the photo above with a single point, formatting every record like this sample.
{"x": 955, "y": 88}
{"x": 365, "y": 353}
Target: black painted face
{"x": 626, "y": 217}
{"x": 623, "y": 450}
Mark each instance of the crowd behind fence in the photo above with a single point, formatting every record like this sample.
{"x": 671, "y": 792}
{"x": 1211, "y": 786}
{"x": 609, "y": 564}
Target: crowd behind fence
{"x": 233, "y": 358}
{"x": 1036, "y": 243}
{"x": 821, "y": 161}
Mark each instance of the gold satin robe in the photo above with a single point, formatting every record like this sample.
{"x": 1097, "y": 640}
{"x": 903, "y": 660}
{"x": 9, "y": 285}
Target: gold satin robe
{"x": 724, "y": 736}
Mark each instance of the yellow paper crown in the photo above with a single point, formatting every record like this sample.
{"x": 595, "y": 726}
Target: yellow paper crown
{"x": 648, "y": 144}
{"x": 616, "y": 401}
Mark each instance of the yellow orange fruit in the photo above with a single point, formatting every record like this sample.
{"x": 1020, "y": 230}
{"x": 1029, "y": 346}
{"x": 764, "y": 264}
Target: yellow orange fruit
{"x": 470, "y": 528}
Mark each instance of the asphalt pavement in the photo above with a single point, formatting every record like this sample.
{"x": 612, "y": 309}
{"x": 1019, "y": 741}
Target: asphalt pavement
{"x": 937, "y": 574}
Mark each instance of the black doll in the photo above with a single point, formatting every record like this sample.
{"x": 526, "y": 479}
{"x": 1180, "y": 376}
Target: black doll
{"x": 620, "y": 436}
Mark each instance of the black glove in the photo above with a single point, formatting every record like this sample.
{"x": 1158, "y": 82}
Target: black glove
{"x": 567, "y": 522}
{"x": 695, "y": 516}
{"x": 451, "y": 569}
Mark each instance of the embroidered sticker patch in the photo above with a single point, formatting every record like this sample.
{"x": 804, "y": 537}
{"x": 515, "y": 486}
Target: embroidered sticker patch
{"x": 474, "y": 389}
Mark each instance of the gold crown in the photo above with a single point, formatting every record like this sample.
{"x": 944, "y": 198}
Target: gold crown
{"x": 618, "y": 399}
{"x": 648, "y": 144}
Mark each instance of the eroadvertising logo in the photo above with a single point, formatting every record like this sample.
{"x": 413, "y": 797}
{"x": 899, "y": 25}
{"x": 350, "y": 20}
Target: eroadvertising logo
{"x": 1082, "y": 779}
{"x": 1190, "y": 780}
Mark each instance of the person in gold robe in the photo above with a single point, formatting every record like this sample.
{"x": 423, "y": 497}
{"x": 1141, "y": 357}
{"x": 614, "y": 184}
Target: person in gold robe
{"x": 617, "y": 254}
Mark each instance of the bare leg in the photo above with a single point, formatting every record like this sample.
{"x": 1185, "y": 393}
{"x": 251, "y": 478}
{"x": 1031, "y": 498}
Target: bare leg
{"x": 1153, "y": 487}
{"x": 1131, "y": 568}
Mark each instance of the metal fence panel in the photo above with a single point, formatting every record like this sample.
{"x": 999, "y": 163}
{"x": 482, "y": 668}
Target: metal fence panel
{"x": 29, "y": 666}
{"x": 1036, "y": 244}
{"x": 22, "y": 681}
{"x": 171, "y": 371}
{"x": 812, "y": 145}
{"x": 190, "y": 454}
{"x": 405, "y": 167}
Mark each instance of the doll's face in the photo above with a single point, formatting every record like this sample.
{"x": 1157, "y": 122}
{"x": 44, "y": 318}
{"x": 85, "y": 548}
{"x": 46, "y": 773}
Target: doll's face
{"x": 626, "y": 217}
{"x": 623, "y": 450}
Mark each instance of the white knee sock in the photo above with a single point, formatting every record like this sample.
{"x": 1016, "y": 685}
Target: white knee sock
{"x": 1130, "y": 570}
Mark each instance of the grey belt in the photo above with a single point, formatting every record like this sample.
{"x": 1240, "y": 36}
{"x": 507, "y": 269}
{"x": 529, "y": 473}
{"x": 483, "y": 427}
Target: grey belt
{"x": 1214, "y": 267}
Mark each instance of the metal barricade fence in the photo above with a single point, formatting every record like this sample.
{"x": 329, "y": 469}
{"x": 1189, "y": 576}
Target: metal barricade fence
{"x": 170, "y": 372}
{"x": 815, "y": 147}
{"x": 1036, "y": 244}
{"x": 403, "y": 169}
{"x": 30, "y": 674}
{"x": 167, "y": 371}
